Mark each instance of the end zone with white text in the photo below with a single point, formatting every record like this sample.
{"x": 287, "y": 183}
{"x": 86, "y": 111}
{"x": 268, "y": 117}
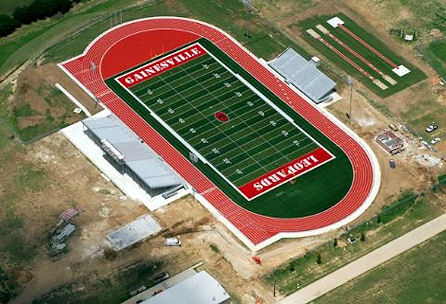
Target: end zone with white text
{"x": 265, "y": 178}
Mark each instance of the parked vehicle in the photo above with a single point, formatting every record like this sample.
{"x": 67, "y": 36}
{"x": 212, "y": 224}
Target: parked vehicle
{"x": 435, "y": 140}
{"x": 432, "y": 127}
{"x": 172, "y": 241}
{"x": 393, "y": 127}
{"x": 392, "y": 163}
{"x": 161, "y": 277}
{"x": 351, "y": 239}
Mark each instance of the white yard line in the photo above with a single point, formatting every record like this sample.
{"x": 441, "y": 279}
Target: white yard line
{"x": 367, "y": 262}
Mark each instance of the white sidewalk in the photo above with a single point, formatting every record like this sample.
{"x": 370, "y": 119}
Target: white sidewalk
{"x": 367, "y": 262}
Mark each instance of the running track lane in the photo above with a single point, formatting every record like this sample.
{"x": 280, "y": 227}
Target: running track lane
{"x": 131, "y": 44}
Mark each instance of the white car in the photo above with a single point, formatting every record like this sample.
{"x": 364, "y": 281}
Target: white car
{"x": 435, "y": 140}
{"x": 172, "y": 241}
{"x": 432, "y": 127}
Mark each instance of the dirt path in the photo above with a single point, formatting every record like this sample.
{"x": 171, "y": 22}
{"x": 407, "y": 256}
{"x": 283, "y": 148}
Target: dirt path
{"x": 367, "y": 262}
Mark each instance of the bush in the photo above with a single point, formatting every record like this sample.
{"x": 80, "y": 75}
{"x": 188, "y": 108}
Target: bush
{"x": 7, "y": 25}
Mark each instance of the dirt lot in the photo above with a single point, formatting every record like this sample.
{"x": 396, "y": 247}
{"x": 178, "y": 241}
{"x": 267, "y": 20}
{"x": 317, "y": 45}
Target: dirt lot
{"x": 36, "y": 107}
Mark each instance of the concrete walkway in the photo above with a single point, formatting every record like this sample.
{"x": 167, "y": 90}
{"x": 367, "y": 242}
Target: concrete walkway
{"x": 367, "y": 262}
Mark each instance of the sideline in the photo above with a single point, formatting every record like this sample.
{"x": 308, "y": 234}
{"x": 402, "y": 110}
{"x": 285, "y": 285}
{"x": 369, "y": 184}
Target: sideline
{"x": 367, "y": 262}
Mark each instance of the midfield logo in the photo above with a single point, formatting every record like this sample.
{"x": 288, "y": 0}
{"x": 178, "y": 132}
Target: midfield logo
{"x": 161, "y": 65}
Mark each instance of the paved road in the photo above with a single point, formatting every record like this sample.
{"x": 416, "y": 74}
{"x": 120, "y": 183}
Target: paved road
{"x": 367, "y": 262}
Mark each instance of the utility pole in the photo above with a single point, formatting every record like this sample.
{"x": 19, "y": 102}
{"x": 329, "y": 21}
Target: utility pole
{"x": 350, "y": 82}
{"x": 247, "y": 5}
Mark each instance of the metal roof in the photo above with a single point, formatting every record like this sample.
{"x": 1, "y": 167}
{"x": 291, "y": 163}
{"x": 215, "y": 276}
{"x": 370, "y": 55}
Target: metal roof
{"x": 144, "y": 162}
{"x": 303, "y": 74}
{"x": 198, "y": 289}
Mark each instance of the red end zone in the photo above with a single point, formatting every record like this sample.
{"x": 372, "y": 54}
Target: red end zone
{"x": 287, "y": 172}
{"x": 133, "y": 43}
{"x": 161, "y": 65}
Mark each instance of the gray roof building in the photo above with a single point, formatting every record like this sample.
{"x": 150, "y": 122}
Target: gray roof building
{"x": 198, "y": 289}
{"x": 304, "y": 75}
{"x": 130, "y": 154}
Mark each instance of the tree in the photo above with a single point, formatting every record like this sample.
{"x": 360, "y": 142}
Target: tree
{"x": 319, "y": 259}
{"x": 7, "y": 25}
{"x": 362, "y": 237}
{"x": 335, "y": 243}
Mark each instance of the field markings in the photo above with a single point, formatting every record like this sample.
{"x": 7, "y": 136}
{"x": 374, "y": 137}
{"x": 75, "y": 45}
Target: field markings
{"x": 203, "y": 114}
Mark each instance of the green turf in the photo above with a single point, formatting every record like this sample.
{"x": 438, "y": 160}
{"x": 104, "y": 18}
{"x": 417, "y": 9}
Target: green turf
{"x": 313, "y": 192}
{"x": 414, "y": 76}
{"x": 417, "y": 276}
{"x": 255, "y": 140}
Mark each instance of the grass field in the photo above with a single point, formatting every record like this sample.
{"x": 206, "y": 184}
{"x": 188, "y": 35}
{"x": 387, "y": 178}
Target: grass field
{"x": 7, "y": 7}
{"x": 408, "y": 212}
{"x": 416, "y": 276}
{"x": 436, "y": 56}
{"x": 414, "y": 76}
{"x": 242, "y": 151}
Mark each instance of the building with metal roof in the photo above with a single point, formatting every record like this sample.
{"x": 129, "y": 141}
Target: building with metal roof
{"x": 130, "y": 155}
{"x": 304, "y": 75}
{"x": 201, "y": 288}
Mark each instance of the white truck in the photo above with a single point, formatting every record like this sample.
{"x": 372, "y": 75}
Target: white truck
{"x": 172, "y": 241}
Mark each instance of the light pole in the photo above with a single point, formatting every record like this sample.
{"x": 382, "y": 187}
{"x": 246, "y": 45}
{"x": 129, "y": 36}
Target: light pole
{"x": 350, "y": 82}
{"x": 247, "y": 5}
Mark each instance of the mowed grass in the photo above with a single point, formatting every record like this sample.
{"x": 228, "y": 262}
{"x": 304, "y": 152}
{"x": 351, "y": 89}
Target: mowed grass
{"x": 436, "y": 56}
{"x": 8, "y": 6}
{"x": 313, "y": 192}
{"x": 60, "y": 38}
{"x": 414, "y": 76}
{"x": 389, "y": 225}
{"x": 416, "y": 276}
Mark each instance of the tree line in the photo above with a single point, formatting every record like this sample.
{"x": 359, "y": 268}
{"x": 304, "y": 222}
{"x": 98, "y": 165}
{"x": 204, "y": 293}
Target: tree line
{"x": 36, "y": 10}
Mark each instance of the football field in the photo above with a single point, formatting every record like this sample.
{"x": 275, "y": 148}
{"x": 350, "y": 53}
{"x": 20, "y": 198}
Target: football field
{"x": 225, "y": 121}
{"x": 264, "y": 155}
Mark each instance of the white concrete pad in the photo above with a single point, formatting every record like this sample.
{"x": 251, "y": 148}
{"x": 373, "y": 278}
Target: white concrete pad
{"x": 134, "y": 232}
{"x": 322, "y": 29}
{"x": 335, "y": 98}
{"x": 401, "y": 70}
{"x": 390, "y": 79}
{"x": 313, "y": 33}
{"x": 380, "y": 84}
{"x": 335, "y": 21}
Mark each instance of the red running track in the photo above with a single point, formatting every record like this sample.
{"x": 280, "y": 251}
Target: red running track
{"x": 136, "y": 42}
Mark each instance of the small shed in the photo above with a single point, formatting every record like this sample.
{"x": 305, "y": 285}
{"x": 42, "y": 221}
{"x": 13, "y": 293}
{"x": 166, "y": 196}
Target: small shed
{"x": 390, "y": 142}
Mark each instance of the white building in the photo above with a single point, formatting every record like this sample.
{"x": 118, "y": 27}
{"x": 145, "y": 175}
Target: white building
{"x": 198, "y": 289}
